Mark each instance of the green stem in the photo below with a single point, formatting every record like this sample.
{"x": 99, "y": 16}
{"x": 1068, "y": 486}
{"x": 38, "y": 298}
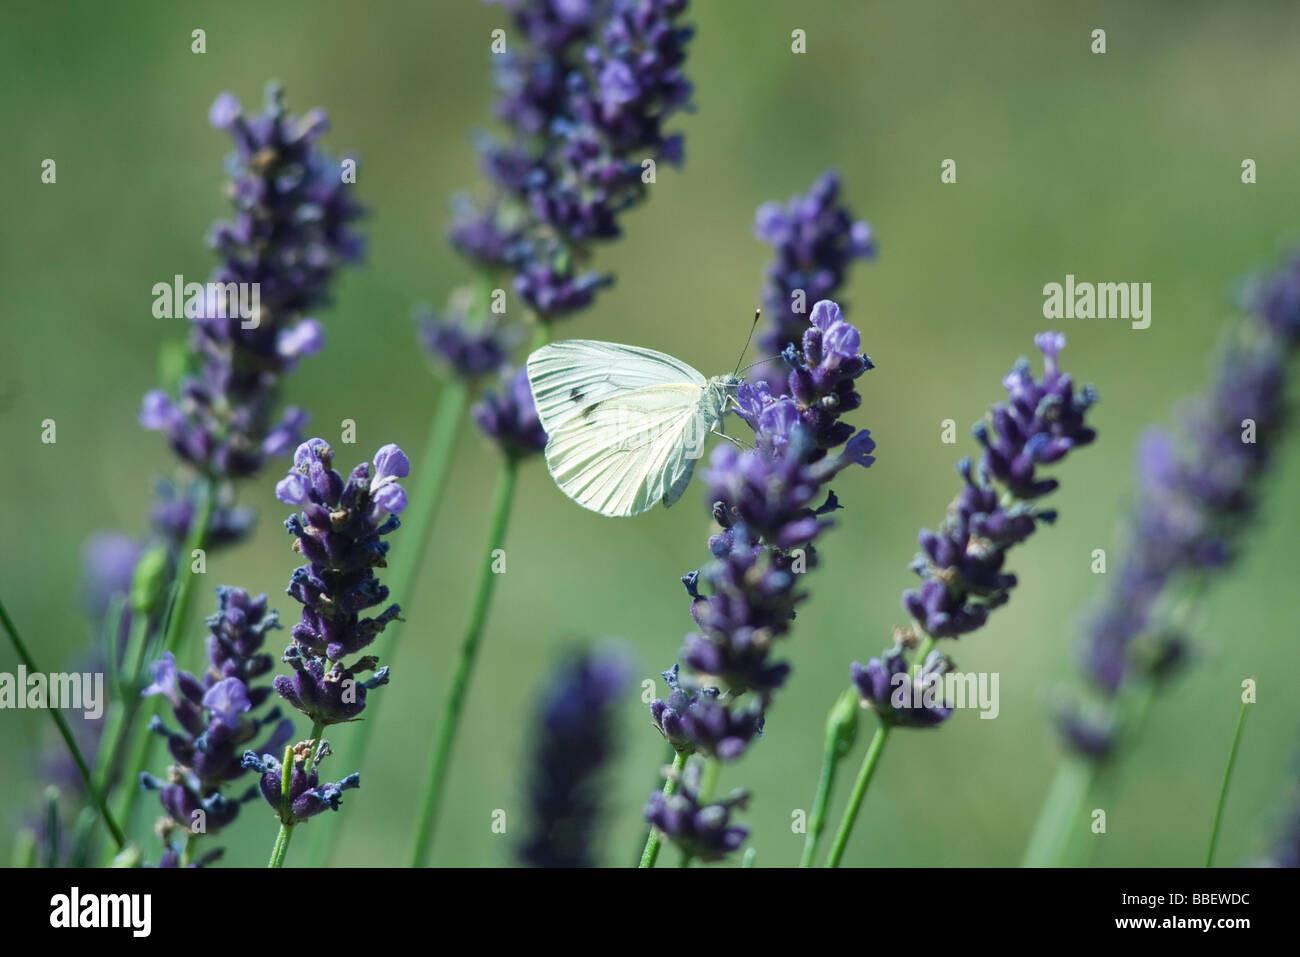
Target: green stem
{"x": 455, "y": 703}
{"x": 868, "y": 769}
{"x": 198, "y": 534}
{"x": 282, "y": 838}
{"x": 869, "y": 764}
{"x": 1064, "y": 803}
{"x": 1076, "y": 778}
{"x": 52, "y": 827}
{"x": 826, "y": 783}
{"x": 1227, "y": 779}
{"x": 670, "y": 755}
{"x": 653, "y": 842}
{"x": 280, "y": 849}
{"x": 96, "y": 795}
{"x": 24, "y": 851}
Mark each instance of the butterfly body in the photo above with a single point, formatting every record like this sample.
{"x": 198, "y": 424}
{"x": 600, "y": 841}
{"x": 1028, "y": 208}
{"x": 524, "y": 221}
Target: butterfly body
{"x": 625, "y": 425}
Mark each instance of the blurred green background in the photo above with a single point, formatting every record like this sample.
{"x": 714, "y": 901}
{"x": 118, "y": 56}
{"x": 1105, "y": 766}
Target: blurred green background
{"x": 1122, "y": 167}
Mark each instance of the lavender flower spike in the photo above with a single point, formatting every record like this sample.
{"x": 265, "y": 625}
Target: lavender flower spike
{"x": 815, "y": 239}
{"x": 307, "y": 795}
{"x": 574, "y": 740}
{"x": 1198, "y": 488}
{"x": 772, "y": 502}
{"x": 340, "y": 532}
{"x": 216, "y": 716}
{"x": 290, "y": 232}
{"x": 701, "y": 830}
{"x": 962, "y": 564}
{"x": 509, "y": 417}
{"x": 585, "y": 97}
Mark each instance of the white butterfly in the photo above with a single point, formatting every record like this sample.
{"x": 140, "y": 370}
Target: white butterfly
{"x": 624, "y": 424}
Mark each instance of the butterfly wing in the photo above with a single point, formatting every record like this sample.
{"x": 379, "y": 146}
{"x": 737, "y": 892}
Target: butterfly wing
{"x": 570, "y": 376}
{"x": 625, "y": 454}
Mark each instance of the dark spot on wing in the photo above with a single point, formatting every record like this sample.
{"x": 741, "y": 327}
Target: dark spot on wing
{"x": 576, "y": 395}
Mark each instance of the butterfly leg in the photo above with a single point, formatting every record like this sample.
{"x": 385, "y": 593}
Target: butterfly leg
{"x": 736, "y": 442}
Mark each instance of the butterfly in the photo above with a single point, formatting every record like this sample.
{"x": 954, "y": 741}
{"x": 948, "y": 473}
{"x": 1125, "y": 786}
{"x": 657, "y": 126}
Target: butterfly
{"x": 624, "y": 424}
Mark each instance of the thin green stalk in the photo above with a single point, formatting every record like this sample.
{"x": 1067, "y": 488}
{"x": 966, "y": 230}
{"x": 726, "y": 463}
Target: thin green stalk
{"x": 176, "y": 623}
{"x": 96, "y": 796}
{"x": 120, "y": 712}
{"x": 868, "y": 769}
{"x": 197, "y": 539}
{"x": 419, "y": 517}
{"x": 24, "y": 850}
{"x": 709, "y": 780}
{"x": 455, "y": 703}
{"x": 1064, "y": 803}
{"x": 52, "y": 826}
{"x": 841, "y": 730}
{"x": 1054, "y": 841}
{"x": 1227, "y": 779}
{"x": 670, "y": 755}
{"x": 83, "y": 835}
{"x": 817, "y": 819}
{"x": 281, "y": 846}
{"x": 865, "y": 773}
{"x": 653, "y": 842}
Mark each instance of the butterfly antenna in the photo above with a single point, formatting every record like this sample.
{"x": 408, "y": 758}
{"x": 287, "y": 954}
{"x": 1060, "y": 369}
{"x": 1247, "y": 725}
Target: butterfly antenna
{"x": 748, "y": 339}
{"x": 758, "y": 363}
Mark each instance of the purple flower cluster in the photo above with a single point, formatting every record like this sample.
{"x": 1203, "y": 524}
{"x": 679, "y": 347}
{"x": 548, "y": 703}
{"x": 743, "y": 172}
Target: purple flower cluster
{"x": 307, "y": 795}
{"x": 215, "y": 714}
{"x": 290, "y": 232}
{"x": 461, "y": 348}
{"x": 961, "y": 565}
{"x": 771, "y": 502}
{"x": 703, "y": 830}
{"x": 879, "y": 682}
{"x": 339, "y": 531}
{"x": 508, "y": 416}
{"x": 1198, "y": 489}
{"x": 573, "y": 741}
{"x": 586, "y": 88}
{"x": 815, "y": 240}
{"x": 692, "y": 719}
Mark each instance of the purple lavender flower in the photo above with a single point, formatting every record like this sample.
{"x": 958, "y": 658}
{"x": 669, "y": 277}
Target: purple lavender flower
{"x": 815, "y": 240}
{"x": 772, "y": 503}
{"x": 290, "y": 232}
{"x": 881, "y": 685}
{"x": 466, "y": 351}
{"x": 307, "y": 795}
{"x": 509, "y": 417}
{"x": 215, "y": 715}
{"x": 702, "y": 830}
{"x": 1198, "y": 489}
{"x": 339, "y": 531}
{"x": 961, "y": 564}
{"x": 173, "y": 512}
{"x": 585, "y": 98}
{"x": 693, "y": 720}
{"x": 573, "y": 741}
{"x": 108, "y": 565}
